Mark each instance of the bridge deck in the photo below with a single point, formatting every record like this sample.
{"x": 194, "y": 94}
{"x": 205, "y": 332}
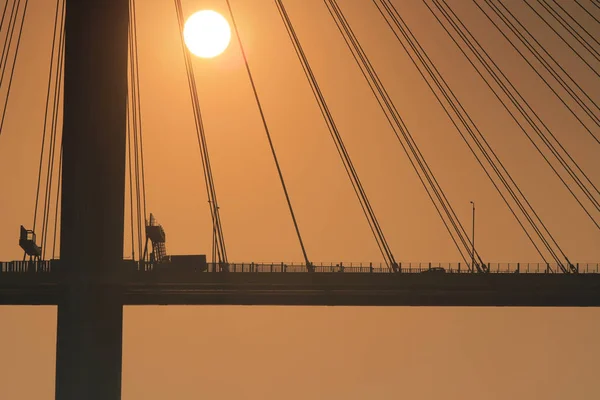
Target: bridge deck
{"x": 263, "y": 287}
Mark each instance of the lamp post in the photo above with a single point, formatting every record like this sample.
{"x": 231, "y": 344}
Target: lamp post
{"x": 473, "y": 241}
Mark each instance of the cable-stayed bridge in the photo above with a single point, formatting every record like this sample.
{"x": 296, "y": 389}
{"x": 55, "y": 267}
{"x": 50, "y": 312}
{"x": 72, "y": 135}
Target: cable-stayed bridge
{"x": 100, "y": 154}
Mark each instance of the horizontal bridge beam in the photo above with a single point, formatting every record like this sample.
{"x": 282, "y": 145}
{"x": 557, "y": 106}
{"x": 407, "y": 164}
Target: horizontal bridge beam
{"x": 356, "y": 289}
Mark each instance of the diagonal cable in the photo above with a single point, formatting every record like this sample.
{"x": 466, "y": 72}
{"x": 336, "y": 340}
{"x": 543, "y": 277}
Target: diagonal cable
{"x": 309, "y": 265}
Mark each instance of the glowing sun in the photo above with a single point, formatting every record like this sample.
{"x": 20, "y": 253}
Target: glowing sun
{"x": 206, "y": 34}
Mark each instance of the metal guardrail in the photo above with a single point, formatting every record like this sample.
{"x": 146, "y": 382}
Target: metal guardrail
{"x": 420, "y": 267}
{"x": 26, "y": 266}
{"x": 377, "y": 268}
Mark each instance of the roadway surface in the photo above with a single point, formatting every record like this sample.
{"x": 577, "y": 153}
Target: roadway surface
{"x": 425, "y": 288}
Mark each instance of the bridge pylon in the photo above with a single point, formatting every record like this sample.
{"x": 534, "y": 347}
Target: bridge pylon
{"x": 90, "y": 307}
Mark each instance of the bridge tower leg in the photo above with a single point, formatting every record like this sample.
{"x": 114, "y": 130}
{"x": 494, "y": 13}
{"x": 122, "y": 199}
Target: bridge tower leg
{"x": 90, "y": 314}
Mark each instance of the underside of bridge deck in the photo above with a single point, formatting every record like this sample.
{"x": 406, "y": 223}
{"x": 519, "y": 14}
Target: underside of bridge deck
{"x": 348, "y": 289}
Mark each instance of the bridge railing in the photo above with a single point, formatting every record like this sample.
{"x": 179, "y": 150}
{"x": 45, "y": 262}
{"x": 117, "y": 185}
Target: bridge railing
{"x": 419, "y": 267}
{"x": 26, "y": 266}
{"x": 46, "y": 266}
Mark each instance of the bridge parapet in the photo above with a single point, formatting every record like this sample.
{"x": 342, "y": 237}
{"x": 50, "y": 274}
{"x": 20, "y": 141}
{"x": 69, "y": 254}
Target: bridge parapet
{"x": 26, "y": 266}
{"x": 410, "y": 268}
{"x": 287, "y": 284}
{"x": 132, "y": 266}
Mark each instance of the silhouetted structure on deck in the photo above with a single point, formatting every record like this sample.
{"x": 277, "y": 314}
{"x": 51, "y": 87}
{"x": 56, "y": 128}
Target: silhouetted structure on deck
{"x": 28, "y": 243}
{"x": 156, "y": 235}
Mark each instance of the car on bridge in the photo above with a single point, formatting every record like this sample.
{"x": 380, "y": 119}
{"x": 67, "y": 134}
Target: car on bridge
{"x": 434, "y": 270}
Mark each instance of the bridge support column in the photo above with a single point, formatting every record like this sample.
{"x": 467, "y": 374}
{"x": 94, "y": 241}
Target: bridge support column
{"x": 90, "y": 315}
{"x": 89, "y": 344}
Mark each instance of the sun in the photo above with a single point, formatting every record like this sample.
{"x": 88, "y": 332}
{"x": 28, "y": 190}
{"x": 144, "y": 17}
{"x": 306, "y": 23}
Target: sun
{"x": 206, "y": 33}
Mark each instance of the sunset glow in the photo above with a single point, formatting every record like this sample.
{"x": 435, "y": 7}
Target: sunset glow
{"x": 207, "y": 34}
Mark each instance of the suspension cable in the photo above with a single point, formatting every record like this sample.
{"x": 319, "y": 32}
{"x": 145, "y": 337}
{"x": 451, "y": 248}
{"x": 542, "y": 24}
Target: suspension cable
{"x": 397, "y": 124}
{"x": 130, "y": 173}
{"x": 346, "y": 160}
{"x": 546, "y": 64}
{"x": 12, "y": 20}
{"x": 519, "y": 102}
{"x": 46, "y": 113}
{"x": 136, "y": 129}
{"x": 50, "y": 123}
{"x": 208, "y": 177}
{"x": 12, "y": 71}
{"x": 587, "y": 11}
{"x": 139, "y": 105}
{"x": 577, "y": 53}
{"x": 569, "y": 28}
{"x": 534, "y": 225}
{"x": 53, "y": 135}
{"x": 567, "y": 13}
{"x": 133, "y": 129}
{"x": 58, "y": 192}
{"x": 309, "y": 265}
{"x": 447, "y": 93}
{"x": 4, "y": 14}
{"x": 387, "y": 9}
{"x": 330, "y": 123}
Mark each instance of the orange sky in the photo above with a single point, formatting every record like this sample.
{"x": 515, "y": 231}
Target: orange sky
{"x": 269, "y": 353}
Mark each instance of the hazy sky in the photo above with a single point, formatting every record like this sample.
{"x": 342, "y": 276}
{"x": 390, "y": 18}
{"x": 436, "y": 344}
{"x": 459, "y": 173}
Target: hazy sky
{"x": 329, "y": 353}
